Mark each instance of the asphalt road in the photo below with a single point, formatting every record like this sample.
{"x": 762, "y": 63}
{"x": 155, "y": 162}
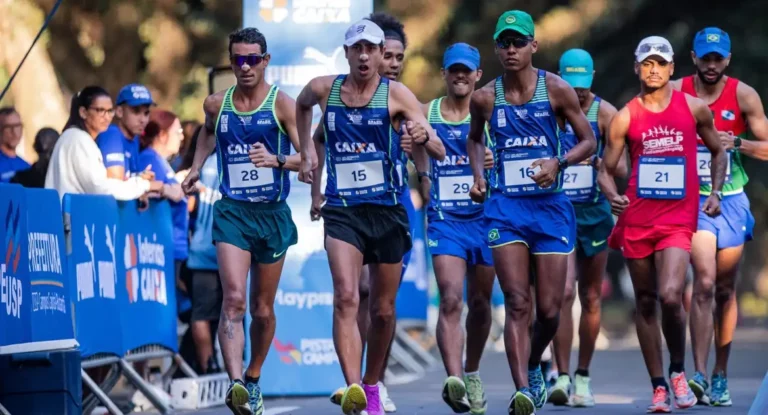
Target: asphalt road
{"x": 620, "y": 383}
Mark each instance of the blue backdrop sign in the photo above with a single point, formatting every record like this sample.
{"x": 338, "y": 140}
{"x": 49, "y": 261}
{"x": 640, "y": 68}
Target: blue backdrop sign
{"x": 146, "y": 276}
{"x": 15, "y": 299}
{"x": 413, "y": 297}
{"x": 48, "y": 277}
{"x": 92, "y": 258}
{"x": 304, "y": 37}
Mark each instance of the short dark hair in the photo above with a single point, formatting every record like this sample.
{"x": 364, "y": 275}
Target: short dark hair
{"x": 7, "y": 111}
{"x": 84, "y": 99}
{"x": 249, "y": 35}
{"x": 391, "y": 26}
{"x": 45, "y": 139}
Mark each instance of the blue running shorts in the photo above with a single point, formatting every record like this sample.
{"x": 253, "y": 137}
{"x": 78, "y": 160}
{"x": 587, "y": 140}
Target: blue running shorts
{"x": 733, "y": 227}
{"x": 462, "y": 239}
{"x": 546, "y": 224}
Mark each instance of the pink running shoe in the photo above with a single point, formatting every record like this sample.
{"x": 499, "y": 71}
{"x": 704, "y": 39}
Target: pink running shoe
{"x": 661, "y": 402}
{"x": 684, "y": 396}
{"x": 374, "y": 402}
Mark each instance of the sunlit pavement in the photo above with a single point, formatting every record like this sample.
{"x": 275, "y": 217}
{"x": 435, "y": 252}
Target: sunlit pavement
{"x": 620, "y": 383}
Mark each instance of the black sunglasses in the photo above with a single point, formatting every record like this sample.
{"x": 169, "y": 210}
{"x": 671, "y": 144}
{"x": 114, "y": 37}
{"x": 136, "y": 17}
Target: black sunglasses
{"x": 516, "y": 41}
{"x": 658, "y": 48}
{"x": 251, "y": 60}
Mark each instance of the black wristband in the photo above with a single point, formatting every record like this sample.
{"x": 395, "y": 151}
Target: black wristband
{"x": 424, "y": 174}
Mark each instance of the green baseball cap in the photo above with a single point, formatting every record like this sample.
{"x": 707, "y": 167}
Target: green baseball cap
{"x": 576, "y": 68}
{"x": 516, "y": 20}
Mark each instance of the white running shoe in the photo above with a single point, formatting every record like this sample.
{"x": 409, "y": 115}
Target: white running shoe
{"x": 386, "y": 401}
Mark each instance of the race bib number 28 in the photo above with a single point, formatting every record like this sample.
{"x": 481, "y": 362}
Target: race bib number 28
{"x": 243, "y": 175}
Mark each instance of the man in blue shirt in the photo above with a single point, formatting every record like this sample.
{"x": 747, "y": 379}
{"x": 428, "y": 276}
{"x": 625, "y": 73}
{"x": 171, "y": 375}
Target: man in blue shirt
{"x": 119, "y": 145}
{"x": 11, "y": 131}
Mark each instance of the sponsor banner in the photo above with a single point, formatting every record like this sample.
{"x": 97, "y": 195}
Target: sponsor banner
{"x": 15, "y": 298}
{"x": 413, "y": 296}
{"x": 145, "y": 275}
{"x": 92, "y": 258}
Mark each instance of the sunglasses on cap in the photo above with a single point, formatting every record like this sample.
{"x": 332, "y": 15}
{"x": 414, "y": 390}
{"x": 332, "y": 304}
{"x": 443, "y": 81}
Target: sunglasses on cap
{"x": 516, "y": 41}
{"x": 251, "y": 60}
{"x": 656, "y": 48}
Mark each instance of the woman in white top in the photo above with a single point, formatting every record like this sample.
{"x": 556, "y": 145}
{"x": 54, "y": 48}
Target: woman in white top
{"x": 76, "y": 164}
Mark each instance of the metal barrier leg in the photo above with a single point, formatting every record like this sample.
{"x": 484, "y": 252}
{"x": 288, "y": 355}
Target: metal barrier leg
{"x": 3, "y": 411}
{"x": 184, "y": 366}
{"x": 146, "y": 389}
{"x": 100, "y": 394}
{"x": 404, "y": 358}
{"x": 415, "y": 347}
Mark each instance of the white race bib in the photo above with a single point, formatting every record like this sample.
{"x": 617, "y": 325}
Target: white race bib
{"x": 455, "y": 188}
{"x": 661, "y": 177}
{"x": 359, "y": 174}
{"x": 519, "y": 172}
{"x": 247, "y": 175}
{"x": 579, "y": 177}
{"x": 704, "y": 165}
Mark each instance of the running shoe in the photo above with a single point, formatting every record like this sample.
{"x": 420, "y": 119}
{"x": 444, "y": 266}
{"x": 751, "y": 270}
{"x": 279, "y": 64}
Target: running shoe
{"x": 455, "y": 394}
{"x": 478, "y": 404}
{"x": 720, "y": 395}
{"x": 337, "y": 395}
{"x": 699, "y": 386}
{"x": 661, "y": 402}
{"x": 372, "y": 397}
{"x": 237, "y": 399}
{"x": 386, "y": 401}
{"x": 522, "y": 403}
{"x": 684, "y": 397}
{"x": 354, "y": 400}
{"x": 538, "y": 387}
{"x": 254, "y": 398}
{"x": 582, "y": 393}
{"x": 560, "y": 394}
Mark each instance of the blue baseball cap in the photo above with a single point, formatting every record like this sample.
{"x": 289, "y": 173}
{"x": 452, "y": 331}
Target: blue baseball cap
{"x": 461, "y": 53}
{"x": 134, "y": 95}
{"x": 577, "y": 68}
{"x": 712, "y": 40}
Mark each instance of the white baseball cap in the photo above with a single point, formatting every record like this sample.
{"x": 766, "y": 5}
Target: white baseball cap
{"x": 364, "y": 30}
{"x": 654, "y": 46}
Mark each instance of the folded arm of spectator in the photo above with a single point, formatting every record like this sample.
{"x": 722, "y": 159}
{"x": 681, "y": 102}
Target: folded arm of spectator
{"x": 92, "y": 174}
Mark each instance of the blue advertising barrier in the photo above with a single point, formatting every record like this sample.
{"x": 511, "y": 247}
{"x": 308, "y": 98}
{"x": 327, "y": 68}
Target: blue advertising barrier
{"x": 92, "y": 256}
{"x": 413, "y": 296}
{"x": 146, "y": 276}
{"x": 34, "y": 298}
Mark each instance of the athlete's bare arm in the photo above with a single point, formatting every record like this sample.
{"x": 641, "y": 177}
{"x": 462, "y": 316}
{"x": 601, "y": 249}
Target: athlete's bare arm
{"x": 705, "y": 127}
{"x": 285, "y": 108}
{"x": 421, "y": 162}
{"x": 404, "y": 103}
{"x": 614, "y": 152}
{"x": 752, "y": 108}
{"x": 565, "y": 102}
{"x": 318, "y": 138}
{"x": 605, "y": 180}
{"x": 316, "y": 92}
{"x": 480, "y": 109}
{"x": 206, "y": 140}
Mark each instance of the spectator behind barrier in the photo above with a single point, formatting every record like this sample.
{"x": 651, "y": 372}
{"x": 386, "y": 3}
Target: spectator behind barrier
{"x": 190, "y": 128}
{"x": 45, "y": 140}
{"x": 206, "y": 291}
{"x": 162, "y": 138}
{"x": 77, "y": 165}
{"x": 119, "y": 144}
{"x": 11, "y": 131}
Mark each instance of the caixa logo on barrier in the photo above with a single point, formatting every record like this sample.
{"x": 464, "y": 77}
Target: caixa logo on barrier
{"x": 312, "y": 352}
{"x": 93, "y": 270}
{"x": 144, "y": 269}
{"x": 10, "y": 286}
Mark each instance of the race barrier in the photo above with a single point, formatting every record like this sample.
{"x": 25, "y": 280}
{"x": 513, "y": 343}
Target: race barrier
{"x": 91, "y": 273}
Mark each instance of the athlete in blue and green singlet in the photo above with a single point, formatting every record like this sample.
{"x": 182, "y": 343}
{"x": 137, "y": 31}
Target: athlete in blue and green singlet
{"x": 252, "y": 127}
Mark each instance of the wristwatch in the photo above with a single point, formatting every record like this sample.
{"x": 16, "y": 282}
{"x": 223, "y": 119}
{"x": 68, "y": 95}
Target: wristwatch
{"x": 737, "y": 142}
{"x": 562, "y": 163}
{"x": 424, "y": 174}
{"x": 424, "y": 142}
{"x": 280, "y": 160}
{"x": 719, "y": 194}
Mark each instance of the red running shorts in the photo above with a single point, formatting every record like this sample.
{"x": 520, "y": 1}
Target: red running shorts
{"x": 637, "y": 242}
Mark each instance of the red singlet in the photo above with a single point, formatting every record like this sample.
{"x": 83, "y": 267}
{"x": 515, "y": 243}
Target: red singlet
{"x": 666, "y": 138}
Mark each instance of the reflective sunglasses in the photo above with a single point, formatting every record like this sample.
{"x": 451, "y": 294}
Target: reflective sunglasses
{"x": 655, "y": 48}
{"x": 516, "y": 41}
{"x": 251, "y": 60}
